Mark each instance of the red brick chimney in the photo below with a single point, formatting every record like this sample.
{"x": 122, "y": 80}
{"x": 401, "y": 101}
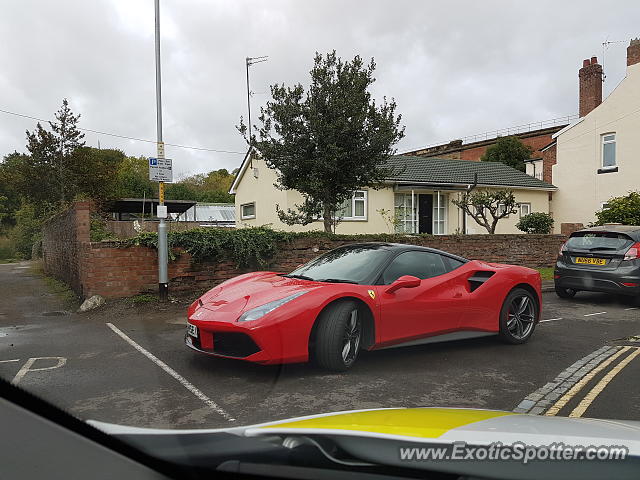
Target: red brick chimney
{"x": 633, "y": 52}
{"x": 590, "y": 76}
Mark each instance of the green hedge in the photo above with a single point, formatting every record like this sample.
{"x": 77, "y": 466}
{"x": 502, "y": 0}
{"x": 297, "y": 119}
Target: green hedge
{"x": 245, "y": 246}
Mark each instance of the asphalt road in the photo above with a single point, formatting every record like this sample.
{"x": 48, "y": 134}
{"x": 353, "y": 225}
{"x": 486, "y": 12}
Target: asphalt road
{"x": 127, "y": 364}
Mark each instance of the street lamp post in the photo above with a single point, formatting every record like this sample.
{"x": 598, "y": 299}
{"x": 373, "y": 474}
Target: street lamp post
{"x": 163, "y": 254}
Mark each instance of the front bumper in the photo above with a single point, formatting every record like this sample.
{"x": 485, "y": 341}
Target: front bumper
{"x": 592, "y": 280}
{"x": 273, "y": 342}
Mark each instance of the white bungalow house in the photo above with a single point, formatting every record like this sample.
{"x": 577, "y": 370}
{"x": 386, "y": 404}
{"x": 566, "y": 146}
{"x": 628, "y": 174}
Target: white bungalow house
{"x": 416, "y": 200}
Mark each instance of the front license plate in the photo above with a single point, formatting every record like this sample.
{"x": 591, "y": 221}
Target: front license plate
{"x": 591, "y": 261}
{"x": 192, "y": 330}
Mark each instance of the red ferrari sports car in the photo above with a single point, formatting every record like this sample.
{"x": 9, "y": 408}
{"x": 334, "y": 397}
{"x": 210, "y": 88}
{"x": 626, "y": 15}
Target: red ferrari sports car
{"x": 368, "y": 295}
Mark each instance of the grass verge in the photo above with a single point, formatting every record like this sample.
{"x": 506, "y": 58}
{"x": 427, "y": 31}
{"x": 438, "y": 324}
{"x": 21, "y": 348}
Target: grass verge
{"x": 143, "y": 298}
{"x": 546, "y": 273}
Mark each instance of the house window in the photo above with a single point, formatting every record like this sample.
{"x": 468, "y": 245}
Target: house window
{"x": 248, "y": 211}
{"x": 502, "y": 208}
{"x": 439, "y": 213}
{"x": 354, "y": 208}
{"x": 525, "y": 209}
{"x": 604, "y": 206}
{"x": 406, "y": 213}
{"x": 609, "y": 150}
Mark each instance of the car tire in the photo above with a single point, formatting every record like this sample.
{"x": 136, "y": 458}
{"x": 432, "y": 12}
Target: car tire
{"x": 338, "y": 336}
{"x": 518, "y": 316}
{"x": 565, "y": 292}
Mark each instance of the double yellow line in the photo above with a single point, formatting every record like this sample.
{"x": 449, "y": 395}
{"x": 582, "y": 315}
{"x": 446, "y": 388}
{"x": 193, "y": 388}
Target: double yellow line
{"x": 598, "y": 388}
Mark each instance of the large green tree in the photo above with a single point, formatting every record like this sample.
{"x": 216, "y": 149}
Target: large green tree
{"x": 328, "y": 140}
{"x": 10, "y": 196}
{"x": 93, "y": 173}
{"x": 51, "y": 168}
{"x": 510, "y": 151}
{"x": 133, "y": 179}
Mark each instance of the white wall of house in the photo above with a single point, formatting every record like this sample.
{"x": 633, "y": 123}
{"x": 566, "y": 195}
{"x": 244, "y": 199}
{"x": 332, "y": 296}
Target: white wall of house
{"x": 529, "y": 201}
{"x": 257, "y": 197}
{"x": 586, "y": 147}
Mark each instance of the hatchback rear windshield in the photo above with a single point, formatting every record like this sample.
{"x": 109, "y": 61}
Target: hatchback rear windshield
{"x": 599, "y": 241}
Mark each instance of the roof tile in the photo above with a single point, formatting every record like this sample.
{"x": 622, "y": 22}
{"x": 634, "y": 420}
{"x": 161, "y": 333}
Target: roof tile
{"x": 446, "y": 171}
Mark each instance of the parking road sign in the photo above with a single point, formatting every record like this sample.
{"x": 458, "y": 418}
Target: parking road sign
{"x": 160, "y": 170}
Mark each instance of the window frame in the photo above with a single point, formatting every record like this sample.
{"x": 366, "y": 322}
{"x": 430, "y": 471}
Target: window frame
{"x": 520, "y": 204}
{"x": 444, "y": 220}
{"x": 502, "y": 207}
{"x": 247, "y": 217}
{"x": 407, "y": 224}
{"x": 364, "y": 199}
{"x": 604, "y": 142}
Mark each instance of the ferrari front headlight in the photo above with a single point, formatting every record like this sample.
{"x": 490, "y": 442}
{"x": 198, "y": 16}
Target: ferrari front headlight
{"x": 262, "y": 310}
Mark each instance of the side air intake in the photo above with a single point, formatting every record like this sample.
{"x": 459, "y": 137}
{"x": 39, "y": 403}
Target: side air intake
{"x": 478, "y": 278}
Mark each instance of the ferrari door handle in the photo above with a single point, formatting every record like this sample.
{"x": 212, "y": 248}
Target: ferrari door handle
{"x": 457, "y": 295}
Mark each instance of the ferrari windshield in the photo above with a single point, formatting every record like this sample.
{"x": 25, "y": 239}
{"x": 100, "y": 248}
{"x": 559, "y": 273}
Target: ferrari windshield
{"x": 353, "y": 263}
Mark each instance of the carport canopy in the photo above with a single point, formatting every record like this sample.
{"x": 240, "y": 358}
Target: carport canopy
{"x": 124, "y": 207}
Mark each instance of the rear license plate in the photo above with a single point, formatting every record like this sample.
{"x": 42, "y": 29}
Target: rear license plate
{"x": 591, "y": 261}
{"x": 192, "y": 330}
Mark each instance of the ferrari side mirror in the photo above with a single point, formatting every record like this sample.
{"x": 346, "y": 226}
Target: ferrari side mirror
{"x": 405, "y": 281}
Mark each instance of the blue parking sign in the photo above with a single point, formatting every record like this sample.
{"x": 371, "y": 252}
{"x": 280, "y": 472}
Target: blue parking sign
{"x": 153, "y": 162}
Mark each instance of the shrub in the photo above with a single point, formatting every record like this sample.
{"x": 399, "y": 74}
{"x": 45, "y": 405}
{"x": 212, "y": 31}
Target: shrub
{"x": 247, "y": 247}
{"x": 26, "y": 232}
{"x": 98, "y": 229}
{"x": 625, "y": 210}
{"x": 536, "y": 222}
{"x": 7, "y": 252}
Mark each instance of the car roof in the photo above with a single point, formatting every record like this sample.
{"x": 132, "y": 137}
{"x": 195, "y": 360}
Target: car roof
{"x": 631, "y": 230}
{"x": 398, "y": 247}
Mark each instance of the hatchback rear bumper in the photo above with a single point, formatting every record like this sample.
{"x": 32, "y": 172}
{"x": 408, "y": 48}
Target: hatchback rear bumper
{"x": 593, "y": 280}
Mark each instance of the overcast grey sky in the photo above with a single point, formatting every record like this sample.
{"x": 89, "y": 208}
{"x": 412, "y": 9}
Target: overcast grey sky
{"x": 455, "y": 68}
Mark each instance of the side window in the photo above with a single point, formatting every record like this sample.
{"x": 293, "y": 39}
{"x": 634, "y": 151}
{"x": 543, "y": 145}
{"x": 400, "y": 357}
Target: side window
{"x": 418, "y": 264}
{"x": 452, "y": 263}
{"x": 525, "y": 209}
{"x": 609, "y": 150}
{"x": 247, "y": 211}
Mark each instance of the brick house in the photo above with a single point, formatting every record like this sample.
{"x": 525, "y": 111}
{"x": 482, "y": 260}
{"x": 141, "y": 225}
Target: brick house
{"x": 597, "y": 155}
{"x": 472, "y": 148}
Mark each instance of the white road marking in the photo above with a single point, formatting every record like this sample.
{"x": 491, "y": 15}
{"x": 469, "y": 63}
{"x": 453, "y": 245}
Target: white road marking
{"x": 632, "y": 308}
{"x": 60, "y": 362}
{"x": 183, "y": 381}
{"x": 592, "y": 314}
{"x": 550, "y": 320}
{"x": 7, "y": 361}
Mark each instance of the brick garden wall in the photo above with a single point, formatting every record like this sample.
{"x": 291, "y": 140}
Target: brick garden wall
{"x": 63, "y": 238}
{"x": 117, "y": 272}
{"x": 104, "y": 268}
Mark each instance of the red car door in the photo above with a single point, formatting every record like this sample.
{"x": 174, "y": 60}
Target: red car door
{"x": 435, "y": 306}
